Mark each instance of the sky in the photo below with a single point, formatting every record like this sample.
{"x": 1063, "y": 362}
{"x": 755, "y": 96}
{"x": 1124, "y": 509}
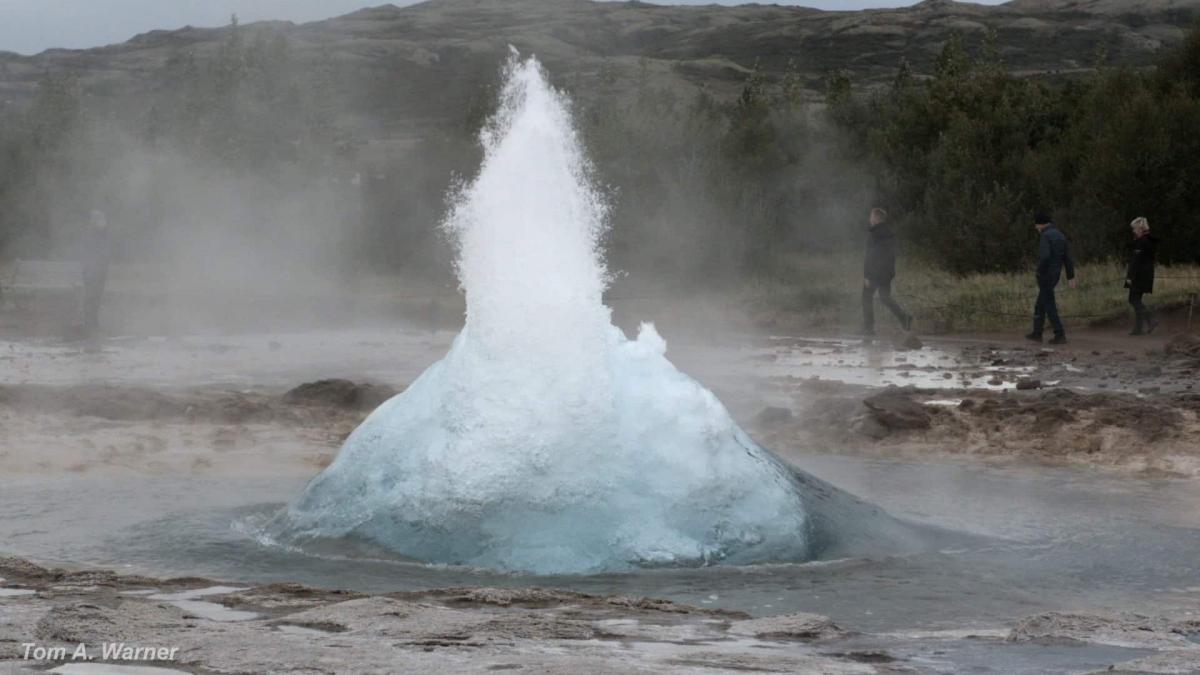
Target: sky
{"x": 30, "y": 26}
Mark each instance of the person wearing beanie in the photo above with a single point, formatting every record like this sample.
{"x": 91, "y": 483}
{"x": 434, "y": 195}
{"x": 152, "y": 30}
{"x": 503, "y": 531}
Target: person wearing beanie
{"x": 879, "y": 268}
{"x": 1054, "y": 256}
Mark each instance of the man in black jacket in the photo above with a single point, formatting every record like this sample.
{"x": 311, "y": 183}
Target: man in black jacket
{"x": 1139, "y": 279}
{"x": 879, "y": 268}
{"x": 1053, "y": 257}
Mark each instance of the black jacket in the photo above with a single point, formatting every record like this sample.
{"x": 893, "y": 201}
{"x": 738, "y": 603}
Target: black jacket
{"x": 880, "y": 264}
{"x": 1053, "y": 256}
{"x": 1140, "y": 276}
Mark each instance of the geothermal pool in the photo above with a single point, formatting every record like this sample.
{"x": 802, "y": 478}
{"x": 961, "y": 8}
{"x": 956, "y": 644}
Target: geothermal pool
{"x": 1049, "y": 540}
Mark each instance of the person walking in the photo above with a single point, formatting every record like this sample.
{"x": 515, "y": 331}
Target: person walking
{"x": 1054, "y": 256}
{"x": 1139, "y": 279}
{"x": 879, "y": 268}
{"x": 96, "y": 253}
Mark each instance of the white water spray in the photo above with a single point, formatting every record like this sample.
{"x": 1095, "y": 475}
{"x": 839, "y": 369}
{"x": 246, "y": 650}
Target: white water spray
{"x": 545, "y": 440}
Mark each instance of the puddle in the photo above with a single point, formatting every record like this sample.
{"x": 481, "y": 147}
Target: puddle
{"x": 877, "y": 365}
{"x": 188, "y": 602}
{"x": 15, "y": 592}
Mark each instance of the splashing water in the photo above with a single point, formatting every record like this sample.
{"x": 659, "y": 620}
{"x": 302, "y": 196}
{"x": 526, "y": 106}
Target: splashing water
{"x": 545, "y": 440}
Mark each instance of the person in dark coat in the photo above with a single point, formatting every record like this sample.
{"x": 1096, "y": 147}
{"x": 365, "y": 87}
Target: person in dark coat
{"x": 1139, "y": 279}
{"x": 879, "y": 268}
{"x": 96, "y": 252}
{"x": 1054, "y": 255}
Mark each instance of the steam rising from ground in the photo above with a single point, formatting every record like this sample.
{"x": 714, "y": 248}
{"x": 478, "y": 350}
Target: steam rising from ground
{"x": 545, "y": 440}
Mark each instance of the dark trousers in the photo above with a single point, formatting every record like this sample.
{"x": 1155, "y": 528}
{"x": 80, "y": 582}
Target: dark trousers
{"x": 1144, "y": 317}
{"x": 885, "y": 296}
{"x": 1045, "y": 307}
{"x": 93, "y": 292}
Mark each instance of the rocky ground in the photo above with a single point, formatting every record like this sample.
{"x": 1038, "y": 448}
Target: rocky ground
{"x": 1108, "y": 403}
{"x": 219, "y": 628}
{"x": 1129, "y": 408}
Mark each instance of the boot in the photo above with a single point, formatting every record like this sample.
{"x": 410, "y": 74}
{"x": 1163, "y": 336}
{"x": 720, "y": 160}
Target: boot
{"x": 1034, "y": 337}
{"x": 1059, "y": 340}
{"x": 1151, "y": 324}
{"x": 1137, "y": 326}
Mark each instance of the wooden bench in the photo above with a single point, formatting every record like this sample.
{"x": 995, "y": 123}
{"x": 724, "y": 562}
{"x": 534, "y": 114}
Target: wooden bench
{"x": 28, "y": 280}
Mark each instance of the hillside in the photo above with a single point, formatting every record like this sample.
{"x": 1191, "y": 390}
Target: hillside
{"x": 425, "y": 63}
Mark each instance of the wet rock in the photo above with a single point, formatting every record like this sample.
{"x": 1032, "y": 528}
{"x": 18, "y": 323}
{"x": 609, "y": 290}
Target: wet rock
{"x": 1118, "y": 630}
{"x": 1048, "y": 419}
{"x": 1183, "y": 344}
{"x": 1174, "y": 662}
{"x": 896, "y": 411}
{"x": 808, "y": 627}
{"x": 22, "y": 569}
{"x": 870, "y": 427}
{"x": 338, "y": 393}
{"x": 909, "y": 341}
{"x": 92, "y": 623}
{"x": 772, "y": 415}
{"x": 1028, "y": 383}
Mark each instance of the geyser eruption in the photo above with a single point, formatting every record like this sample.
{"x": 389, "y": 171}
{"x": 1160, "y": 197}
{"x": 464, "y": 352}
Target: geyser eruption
{"x": 545, "y": 440}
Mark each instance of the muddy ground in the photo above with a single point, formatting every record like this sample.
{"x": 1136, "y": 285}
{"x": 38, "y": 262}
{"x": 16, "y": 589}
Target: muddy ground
{"x": 1105, "y": 405}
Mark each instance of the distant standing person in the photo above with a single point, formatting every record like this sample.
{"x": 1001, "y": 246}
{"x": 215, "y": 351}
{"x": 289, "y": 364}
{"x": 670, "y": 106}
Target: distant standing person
{"x": 1140, "y": 277}
{"x": 879, "y": 268}
{"x": 1053, "y": 256}
{"x": 95, "y": 256}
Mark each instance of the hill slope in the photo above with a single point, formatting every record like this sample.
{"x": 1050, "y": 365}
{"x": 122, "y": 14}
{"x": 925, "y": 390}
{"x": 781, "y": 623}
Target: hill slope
{"x": 423, "y": 63}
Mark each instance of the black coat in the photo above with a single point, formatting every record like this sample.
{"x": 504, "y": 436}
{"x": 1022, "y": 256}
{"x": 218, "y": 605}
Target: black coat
{"x": 1140, "y": 276}
{"x": 1054, "y": 255}
{"x": 880, "y": 264}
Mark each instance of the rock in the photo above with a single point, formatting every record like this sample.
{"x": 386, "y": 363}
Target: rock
{"x": 1048, "y": 419}
{"x": 1183, "y": 344}
{"x": 1027, "y": 383}
{"x": 772, "y": 415}
{"x": 1119, "y": 630}
{"x": 800, "y": 626}
{"x": 88, "y": 622}
{"x": 897, "y": 411}
{"x": 909, "y": 341}
{"x": 21, "y": 568}
{"x": 870, "y": 427}
{"x": 995, "y": 382}
{"x": 337, "y": 393}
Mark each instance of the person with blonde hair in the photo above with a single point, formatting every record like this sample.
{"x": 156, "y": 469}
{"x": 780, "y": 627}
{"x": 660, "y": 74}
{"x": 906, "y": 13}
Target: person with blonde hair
{"x": 1139, "y": 278}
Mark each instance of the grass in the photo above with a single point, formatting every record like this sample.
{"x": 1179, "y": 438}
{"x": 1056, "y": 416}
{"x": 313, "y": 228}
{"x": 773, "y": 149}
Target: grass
{"x": 823, "y": 291}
